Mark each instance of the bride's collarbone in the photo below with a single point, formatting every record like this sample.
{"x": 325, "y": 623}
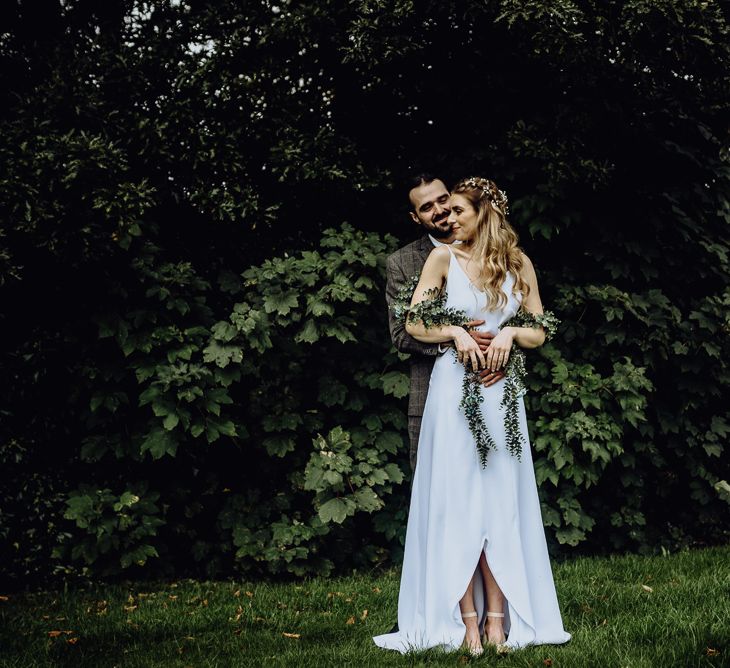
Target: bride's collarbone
{"x": 469, "y": 267}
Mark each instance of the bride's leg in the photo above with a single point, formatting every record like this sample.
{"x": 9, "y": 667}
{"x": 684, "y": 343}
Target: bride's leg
{"x": 495, "y": 603}
{"x": 466, "y": 605}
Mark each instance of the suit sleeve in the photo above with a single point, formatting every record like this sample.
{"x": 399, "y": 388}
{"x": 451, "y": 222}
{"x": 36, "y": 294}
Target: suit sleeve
{"x": 402, "y": 340}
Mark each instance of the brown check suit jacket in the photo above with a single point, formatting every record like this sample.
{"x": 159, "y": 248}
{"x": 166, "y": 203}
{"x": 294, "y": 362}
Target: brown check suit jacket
{"x": 400, "y": 267}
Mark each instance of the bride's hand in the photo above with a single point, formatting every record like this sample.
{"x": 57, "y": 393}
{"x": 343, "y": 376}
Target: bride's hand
{"x": 468, "y": 349}
{"x": 499, "y": 349}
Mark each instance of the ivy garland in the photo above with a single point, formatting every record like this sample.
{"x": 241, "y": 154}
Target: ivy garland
{"x": 433, "y": 312}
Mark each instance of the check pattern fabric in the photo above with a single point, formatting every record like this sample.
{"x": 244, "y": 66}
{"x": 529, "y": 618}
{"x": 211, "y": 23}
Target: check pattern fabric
{"x": 400, "y": 267}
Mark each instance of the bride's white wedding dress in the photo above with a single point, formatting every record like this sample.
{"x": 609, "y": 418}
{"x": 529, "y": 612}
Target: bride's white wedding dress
{"x": 459, "y": 510}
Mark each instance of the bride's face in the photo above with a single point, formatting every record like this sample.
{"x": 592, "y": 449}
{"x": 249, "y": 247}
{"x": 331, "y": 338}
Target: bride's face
{"x": 463, "y": 218}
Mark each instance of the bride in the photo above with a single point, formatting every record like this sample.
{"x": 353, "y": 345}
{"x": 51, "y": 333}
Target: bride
{"x": 476, "y": 567}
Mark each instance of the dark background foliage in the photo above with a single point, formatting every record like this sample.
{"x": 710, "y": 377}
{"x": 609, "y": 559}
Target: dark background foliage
{"x": 196, "y": 204}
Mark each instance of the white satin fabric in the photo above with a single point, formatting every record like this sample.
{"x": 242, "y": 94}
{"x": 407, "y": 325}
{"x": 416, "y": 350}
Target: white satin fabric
{"x": 458, "y": 510}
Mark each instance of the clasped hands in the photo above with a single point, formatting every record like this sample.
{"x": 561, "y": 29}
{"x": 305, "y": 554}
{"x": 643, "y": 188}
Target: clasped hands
{"x": 487, "y": 352}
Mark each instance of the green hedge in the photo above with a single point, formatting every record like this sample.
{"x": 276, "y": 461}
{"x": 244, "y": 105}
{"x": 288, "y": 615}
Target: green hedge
{"x": 285, "y": 423}
{"x": 197, "y": 371}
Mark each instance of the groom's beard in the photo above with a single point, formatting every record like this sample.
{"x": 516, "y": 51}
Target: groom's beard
{"x": 442, "y": 227}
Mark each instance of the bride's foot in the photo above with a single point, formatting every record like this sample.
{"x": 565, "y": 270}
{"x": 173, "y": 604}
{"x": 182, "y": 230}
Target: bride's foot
{"x": 472, "y": 641}
{"x": 493, "y": 629}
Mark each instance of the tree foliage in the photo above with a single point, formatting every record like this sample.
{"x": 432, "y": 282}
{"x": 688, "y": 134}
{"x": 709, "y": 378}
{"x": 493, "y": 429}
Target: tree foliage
{"x": 189, "y": 323}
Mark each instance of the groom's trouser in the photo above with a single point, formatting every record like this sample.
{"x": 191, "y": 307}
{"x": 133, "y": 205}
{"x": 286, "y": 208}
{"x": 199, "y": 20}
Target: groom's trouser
{"x": 414, "y": 429}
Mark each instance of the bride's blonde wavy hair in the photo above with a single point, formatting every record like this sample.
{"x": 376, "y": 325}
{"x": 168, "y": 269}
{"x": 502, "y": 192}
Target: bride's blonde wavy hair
{"x": 495, "y": 246}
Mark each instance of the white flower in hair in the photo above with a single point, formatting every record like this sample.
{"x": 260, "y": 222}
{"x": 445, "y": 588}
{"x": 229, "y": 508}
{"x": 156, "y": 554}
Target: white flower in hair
{"x": 501, "y": 201}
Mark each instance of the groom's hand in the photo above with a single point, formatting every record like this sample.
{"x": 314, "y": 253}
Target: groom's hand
{"x": 490, "y": 377}
{"x": 484, "y": 339}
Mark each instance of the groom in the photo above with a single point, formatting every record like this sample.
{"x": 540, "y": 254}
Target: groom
{"x": 430, "y": 209}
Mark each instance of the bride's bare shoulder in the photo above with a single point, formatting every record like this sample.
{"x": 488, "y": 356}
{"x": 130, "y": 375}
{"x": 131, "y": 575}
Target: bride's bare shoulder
{"x": 437, "y": 261}
{"x": 439, "y": 254}
{"x": 526, "y": 262}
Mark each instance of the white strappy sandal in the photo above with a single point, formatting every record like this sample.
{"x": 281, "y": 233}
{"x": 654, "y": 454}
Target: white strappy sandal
{"x": 484, "y": 635}
{"x": 473, "y": 651}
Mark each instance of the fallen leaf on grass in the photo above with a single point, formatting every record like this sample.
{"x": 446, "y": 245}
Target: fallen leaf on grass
{"x": 55, "y": 634}
{"x": 547, "y": 662}
{"x": 292, "y": 635}
{"x": 172, "y": 597}
{"x": 249, "y": 594}
{"x": 130, "y": 608}
{"x": 646, "y": 588}
{"x": 4, "y": 598}
{"x": 237, "y": 593}
{"x": 72, "y": 641}
{"x": 259, "y": 619}
{"x": 376, "y": 590}
{"x": 364, "y": 614}
{"x": 710, "y": 651}
{"x": 350, "y": 620}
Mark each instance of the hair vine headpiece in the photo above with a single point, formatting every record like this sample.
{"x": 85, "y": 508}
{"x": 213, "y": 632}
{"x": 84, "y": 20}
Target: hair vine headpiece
{"x": 499, "y": 200}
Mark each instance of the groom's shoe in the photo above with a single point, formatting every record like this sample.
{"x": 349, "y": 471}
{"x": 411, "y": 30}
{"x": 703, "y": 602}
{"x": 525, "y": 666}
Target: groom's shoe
{"x": 394, "y": 629}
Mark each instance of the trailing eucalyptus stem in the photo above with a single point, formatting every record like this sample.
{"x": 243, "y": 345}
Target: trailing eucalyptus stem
{"x": 433, "y": 312}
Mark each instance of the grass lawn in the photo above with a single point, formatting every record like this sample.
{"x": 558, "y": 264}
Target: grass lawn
{"x": 622, "y": 611}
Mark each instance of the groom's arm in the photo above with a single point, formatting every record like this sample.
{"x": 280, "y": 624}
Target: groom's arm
{"x": 404, "y": 342}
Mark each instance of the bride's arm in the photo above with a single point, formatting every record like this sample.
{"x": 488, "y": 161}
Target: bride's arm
{"x": 434, "y": 276}
{"x": 529, "y": 337}
{"x": 525, "y": 337}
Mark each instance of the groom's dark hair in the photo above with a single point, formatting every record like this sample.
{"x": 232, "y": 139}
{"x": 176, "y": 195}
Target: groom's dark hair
{"x": 415, "y": 180}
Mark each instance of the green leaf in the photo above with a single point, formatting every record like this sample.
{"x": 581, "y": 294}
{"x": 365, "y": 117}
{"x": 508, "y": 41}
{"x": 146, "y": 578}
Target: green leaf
{"x": 308, "y": 333}
{"x": 367, "y": 500}
{"x": 127, "y": 500}
{"x": 334, "y": 510}
{"x": 224, "y": 331}
{"x": 281, "y": 302}
{"x": 171, "y": 421}
{"x": 396, "y": 383}
{"x": 389, "y": 441}
{"x": 159, "y": 443}
{"x": 222, "y": 355}
{"x": 278, "y": 446}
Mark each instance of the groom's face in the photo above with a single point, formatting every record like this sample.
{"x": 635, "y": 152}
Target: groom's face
{"x": 431, "y": 208}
